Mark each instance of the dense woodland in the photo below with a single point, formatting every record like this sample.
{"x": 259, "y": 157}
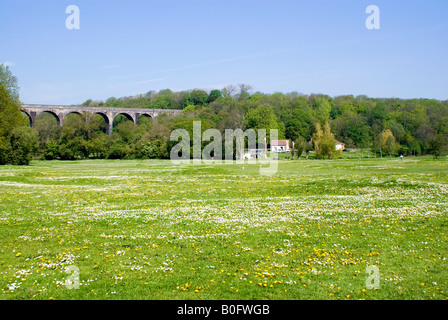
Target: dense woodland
{"x": 313, "y": 122}
{"x": 392, "y": 126}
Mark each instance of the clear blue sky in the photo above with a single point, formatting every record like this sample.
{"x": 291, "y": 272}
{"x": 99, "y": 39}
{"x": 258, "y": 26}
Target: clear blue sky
{"x": 128, "y": 47}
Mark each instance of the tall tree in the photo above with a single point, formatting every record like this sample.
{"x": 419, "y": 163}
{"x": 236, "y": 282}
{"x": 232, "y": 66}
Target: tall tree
{"x": 263, "y": 117}
{"x": 214, "y": 95}
{"x": 244, "y": 91}
{"x": 10, "y": 83}
{"x": 325, "y": 142}
{"x": 322, "y": 109}
{"x": 387, "y": 142}
{"x": 198, "y": 97}
{"x": 299, "y": 146}
{"x": 11, "y": 118}
{"x": 438, "y": 146}
{"x": 10, "y": 114}
{"x": 229, "y": 91}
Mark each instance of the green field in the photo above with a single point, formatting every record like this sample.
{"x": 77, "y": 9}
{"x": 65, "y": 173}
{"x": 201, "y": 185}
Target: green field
{"x": 154, "y": 230}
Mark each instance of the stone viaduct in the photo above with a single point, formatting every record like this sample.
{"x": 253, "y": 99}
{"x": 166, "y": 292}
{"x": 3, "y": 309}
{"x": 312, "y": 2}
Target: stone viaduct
{"x": 109, "y": 114}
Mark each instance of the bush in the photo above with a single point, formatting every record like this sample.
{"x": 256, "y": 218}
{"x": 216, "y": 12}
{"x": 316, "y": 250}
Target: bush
{"x": 151, "y": 150}
{"x": 120, "y": 150}
{"x": 20, "y": 146}
{"x": 52, "y": 151}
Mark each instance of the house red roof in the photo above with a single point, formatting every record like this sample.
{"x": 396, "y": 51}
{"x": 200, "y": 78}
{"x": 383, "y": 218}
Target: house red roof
{"x": 279, "y": 143}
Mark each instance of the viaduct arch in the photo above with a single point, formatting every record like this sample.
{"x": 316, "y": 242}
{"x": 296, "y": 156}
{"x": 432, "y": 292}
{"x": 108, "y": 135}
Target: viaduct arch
{"x": 109, "y": 114}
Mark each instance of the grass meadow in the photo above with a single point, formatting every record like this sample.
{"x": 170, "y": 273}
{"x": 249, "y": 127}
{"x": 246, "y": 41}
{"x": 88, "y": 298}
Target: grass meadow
{"x": 148, "y": 229}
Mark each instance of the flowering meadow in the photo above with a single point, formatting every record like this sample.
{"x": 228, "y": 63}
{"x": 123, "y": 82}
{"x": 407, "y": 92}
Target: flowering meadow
{"x": 149, "y": 229}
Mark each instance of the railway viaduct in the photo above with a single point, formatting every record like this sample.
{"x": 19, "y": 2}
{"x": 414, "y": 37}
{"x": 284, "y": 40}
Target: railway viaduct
{"x": 109, "y": 114}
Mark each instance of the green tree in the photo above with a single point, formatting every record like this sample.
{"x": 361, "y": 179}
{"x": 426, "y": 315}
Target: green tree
{"x": 126, "y": 131}
{"x": 98, "y": 147}
{"x": 300, "y": 146}
{"x": 325, "y": 142}
{"x": 10, "y": 83}
{"x": 244, "y": 91}
{"x": 263, "y": 117}
{"x": 22, "y": 143}
{"x": 119, "y": 150}
{"x": 386, "y": 142}
{"x": 10, "y": 110}
{"x": 322, "y": 109}
{"x": 424, "y": 134}
{"x": 13, "y": 145}
{"x": 214, "y": 95}
{"x": 79, "y": 137}
{"x": 391, "y": 145}
{"x": 164, "y": 99}
{"x": 113, "y": 102}
{"x": 147, "y": 149}
{"x": 298, "y": 124}
{"x": 198, "y": 97}
{"x": 48, "y": 130}
{"x": 87, "y": 103}
{"x": 379, "y": 112}
{"x": 52, "y": 151}
{"x": 438, "y": 145}
{"x": 412, "y": 146}
{"x": 359, "y": 131}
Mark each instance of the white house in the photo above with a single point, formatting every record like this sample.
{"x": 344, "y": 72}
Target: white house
{"x": 340, "y": 145}
{"x": 279, "y": 146}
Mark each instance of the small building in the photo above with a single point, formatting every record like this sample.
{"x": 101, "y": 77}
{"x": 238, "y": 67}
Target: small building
{"x": 279, "y": 146}
{"x": 340, "y": 146}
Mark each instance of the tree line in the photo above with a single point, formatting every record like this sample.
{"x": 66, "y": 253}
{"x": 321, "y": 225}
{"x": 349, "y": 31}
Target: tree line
{"x": 312, "y": 122}
{"x": 18, "y": 141}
